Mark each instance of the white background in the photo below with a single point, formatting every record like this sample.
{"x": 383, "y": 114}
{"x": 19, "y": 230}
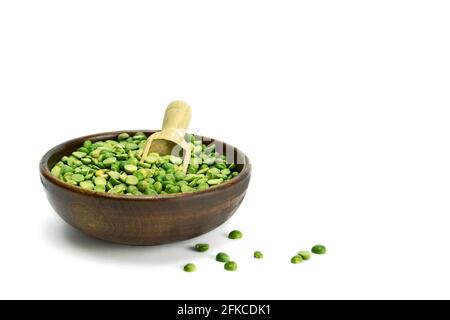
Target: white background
{"x": 343, "y": 107}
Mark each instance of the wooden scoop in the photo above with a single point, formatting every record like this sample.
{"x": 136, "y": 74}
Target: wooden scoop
{"x": 176, "y": 121}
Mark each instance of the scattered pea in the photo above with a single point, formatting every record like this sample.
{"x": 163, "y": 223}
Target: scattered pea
{"x": 306, "y": 255}
{"x": 230, "y": 266}
{"x": 296, "y": 260}
{"x": 190, "y": 267}
{"x": 222, "y": 257}
{"x": 202, "y": 247}
{"x": 319, "y": 249}
{"x": 234, "y": 235}
{"x": 258, "y": 255}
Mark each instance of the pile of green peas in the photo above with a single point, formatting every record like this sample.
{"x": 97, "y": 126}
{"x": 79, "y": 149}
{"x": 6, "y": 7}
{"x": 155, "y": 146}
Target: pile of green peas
{"x": 114, "y": 166}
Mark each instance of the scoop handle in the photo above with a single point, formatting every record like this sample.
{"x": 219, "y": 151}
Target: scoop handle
{"x": 177, "y": 117}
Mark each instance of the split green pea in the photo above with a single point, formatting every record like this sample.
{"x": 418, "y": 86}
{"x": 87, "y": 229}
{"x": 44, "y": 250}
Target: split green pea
{"x": 115, "y": 166}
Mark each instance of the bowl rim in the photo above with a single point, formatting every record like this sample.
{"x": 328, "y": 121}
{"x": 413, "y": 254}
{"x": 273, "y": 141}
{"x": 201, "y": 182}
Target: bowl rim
{"x": 45, "y": 172}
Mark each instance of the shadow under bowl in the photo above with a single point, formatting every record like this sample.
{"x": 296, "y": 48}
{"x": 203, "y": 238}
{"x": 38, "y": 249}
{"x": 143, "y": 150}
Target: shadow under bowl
{"x": 144, "y": 220}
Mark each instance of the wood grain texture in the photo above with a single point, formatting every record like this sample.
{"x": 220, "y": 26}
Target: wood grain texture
{"x": 143, "y": 220}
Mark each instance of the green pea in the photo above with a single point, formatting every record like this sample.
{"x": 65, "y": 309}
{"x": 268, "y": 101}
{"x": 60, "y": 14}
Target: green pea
{"x": 180, "y": 176}
{"x": 221, "y": 166}
{"x": 144, "y": 172}
{"x": 79, "y": 155}
{"x": 209, "y": 149}
{"x": 86, "y": 160}
{"x": 172, "y": 189}
{"x": 150, "y": 192}
{"x": 192, "y": 184}
{"x": 306, "y": 255}
{"x": 190, "y": 267}
{"x": 139, "y": 135}
{"x": 209, "y": 161}
{"x": 123, "y": 136}
{"x": 130, "y": 168}
{"x": 176, "y": 160}
{"x": 198, "y": 150}
{"x": 182, "y": 183}
{"x": 213, "y": 172}
{"x": 132, "y": 180}
{"x": 74, "y": 162}
{"x": 187, "y": 189}
{"x": 152, "y": 158}
{"x": 122, "y": 156}
{"x": 160, "y": 177}
{"x": 222, "y": 257}
{"x": 170, "y": 177}
{"x": 109, "y": 185}
{"x": 56, "y": 171}
{"x": 214, "y": 182}
{"x": 123, "y": 177}
{"x": 99, "y": 188}
{"x": 202, "y": 247}
{"x": 134, "y": 161}
{"x": 77, "y": 178}
{"x": 203, "y": 186}
{"x": 235, "y": 234}
{"x": 258, "y": 255}
{"x": 230, "y": 266}
{"x": 119, "y": 189}
{"x": 143, "y": 185}
{"x": 113, "y": 182}
{"x": 71, "y": 182}
{"x": 139, "y": 175}
{"x": 158, "y": 186}
{"x": 131, "y": 146}
{"x": 319, "y": 249}
{"x": 100, "y": 181}
{"x": 192, "y": 169}
{"x": 296, "y": 260}
{"x": 132, "y": 189}
{"x": 109, "y": 161}
{"x": 168, "y": 167}
{"x": 87, "y": 144}
{"x": 88, "y": 185}
{"x": 114, "y": 174}
{"x": 109, "y": 165}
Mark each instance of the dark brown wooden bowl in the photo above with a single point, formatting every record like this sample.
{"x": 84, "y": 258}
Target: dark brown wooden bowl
{"x": 144, "y": 220}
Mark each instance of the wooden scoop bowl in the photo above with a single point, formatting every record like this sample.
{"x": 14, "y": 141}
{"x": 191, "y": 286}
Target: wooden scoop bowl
{"x": 171, "y": 138}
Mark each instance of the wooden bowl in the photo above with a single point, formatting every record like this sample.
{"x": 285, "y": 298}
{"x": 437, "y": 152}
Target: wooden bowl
{"x": 144, "y": 220}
